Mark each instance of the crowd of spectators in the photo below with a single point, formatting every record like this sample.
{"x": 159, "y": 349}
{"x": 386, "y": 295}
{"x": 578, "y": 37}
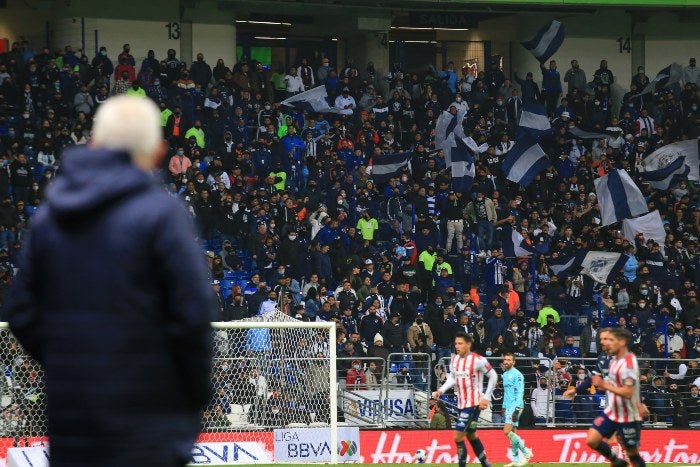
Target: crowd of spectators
{"x": 291, "y": 217}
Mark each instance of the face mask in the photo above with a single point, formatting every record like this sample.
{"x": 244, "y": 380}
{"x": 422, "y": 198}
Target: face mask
{"x": 356, "y": 367}
{"x": 292, "y": 237}
{"x": 515, "y": 329}
{"x": 489, "y": 353}
{"x": 419, "y": 321}
{"x": 438, "y": 303}
{"x": 25, "y": 116}
{"x": 103, "y": 53}
{"x": 694, "y": 396}
{"x": 582, "y": 376}
{"x": 543, "y": 385}
{"x": 551, "y": 345}
{"x": 459, "y": 99}
{"x": 180, "y": 153}
{"x": 644, "y": 292}
{"x": 224, "y": 367}
{"x": 340, "y": 201}
{"x": 694, "y": 107}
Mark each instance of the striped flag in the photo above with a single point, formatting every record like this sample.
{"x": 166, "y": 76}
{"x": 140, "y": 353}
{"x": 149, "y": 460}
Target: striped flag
{"x": 667, "y": 77}
{"x": 547, "y": 41}
{"x": 525, "y": 161}
{"x": 463, "y": 169}
{"x": 448, "y": 129}
{"x": 386, "y": 166}
{"x": 578, "y": 133}
{"x": 314, "y": 100}
{"x": 663, "y": 178}
{"x": 533, "y": 121}
{"x": 663, "y": 163}
{"x": 513, "y": 244}
{"x": 619, "y": 197}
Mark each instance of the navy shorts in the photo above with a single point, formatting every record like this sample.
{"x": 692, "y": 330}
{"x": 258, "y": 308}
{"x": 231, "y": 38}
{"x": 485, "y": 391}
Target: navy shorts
{"x": 628, "y": 433}
{"x": 467, "y": 420}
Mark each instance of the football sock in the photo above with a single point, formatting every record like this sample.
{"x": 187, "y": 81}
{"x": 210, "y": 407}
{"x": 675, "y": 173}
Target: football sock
{"x": 637, "y": 460}
{"x": 479, "y": 452}
{"x": 516, "y": 443}
{"x": 604, "y": 449}
{"x": 461, "y": 453}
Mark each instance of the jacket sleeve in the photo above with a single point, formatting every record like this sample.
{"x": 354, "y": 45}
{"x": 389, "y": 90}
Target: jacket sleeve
{"x": 21, "y": 308}
{"x": 189, "y": 308}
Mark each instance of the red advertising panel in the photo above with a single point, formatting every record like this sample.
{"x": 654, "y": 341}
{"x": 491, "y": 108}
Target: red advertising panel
{"x": 388, "y": 447}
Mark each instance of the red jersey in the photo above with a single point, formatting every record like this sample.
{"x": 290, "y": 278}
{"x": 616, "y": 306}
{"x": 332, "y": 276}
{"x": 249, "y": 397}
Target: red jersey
{"x": 468, "y": 373}
{"x": 619, "y": 409}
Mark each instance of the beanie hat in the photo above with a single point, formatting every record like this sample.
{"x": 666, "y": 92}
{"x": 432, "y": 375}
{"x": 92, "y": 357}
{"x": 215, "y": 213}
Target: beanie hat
{"x": 378, "y": 338}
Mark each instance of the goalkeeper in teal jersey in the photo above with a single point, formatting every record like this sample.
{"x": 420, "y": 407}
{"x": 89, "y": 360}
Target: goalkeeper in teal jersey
{"x": 513, "y": 394}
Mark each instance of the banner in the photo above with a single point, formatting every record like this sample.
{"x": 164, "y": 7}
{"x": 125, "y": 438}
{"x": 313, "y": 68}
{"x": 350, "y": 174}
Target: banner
{"x": 37, "y": 456}
{"x": 313, "y": 444}
{"x": 358, "y": 406}
{"x": 243, "y": 452}
{"x": 560, "y": 446}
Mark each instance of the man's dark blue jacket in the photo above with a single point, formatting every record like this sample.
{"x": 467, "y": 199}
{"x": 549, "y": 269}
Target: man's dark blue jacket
{"x": 112, "y": 299}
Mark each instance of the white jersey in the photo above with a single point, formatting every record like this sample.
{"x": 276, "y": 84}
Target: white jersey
{"x": 618, "y": 408}
{"x": 468, "y": 373}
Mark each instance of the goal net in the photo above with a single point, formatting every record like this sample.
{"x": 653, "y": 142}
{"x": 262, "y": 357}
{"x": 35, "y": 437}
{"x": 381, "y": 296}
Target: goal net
{"x": 270, "y": 373}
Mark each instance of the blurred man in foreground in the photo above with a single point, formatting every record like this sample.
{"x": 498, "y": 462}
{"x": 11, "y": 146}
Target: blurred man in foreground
{"x": 101, "y": 301}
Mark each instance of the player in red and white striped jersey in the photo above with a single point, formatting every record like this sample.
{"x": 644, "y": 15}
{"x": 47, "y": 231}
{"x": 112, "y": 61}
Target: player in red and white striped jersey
{"x": 624, "y": 413}
{"x": 467, "y": 370}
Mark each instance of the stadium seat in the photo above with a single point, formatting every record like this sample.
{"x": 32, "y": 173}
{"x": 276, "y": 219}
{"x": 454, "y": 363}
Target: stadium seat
{"x": 226, "y": 284}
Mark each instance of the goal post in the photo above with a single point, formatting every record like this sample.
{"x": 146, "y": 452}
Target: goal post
{"x": 276, "y": 343}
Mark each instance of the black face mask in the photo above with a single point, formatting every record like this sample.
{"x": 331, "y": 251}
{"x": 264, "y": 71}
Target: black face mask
{"x": 419, "y": 321}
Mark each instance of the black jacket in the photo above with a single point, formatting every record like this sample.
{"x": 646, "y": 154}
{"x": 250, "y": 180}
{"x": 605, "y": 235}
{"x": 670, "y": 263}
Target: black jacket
{"x": 112, "y": 299}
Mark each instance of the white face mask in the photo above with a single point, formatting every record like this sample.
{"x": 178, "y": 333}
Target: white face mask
{"x": 292, "y": 237}
{"x": 515, "y": 329}
{"x": 582, "y": 376}
{"x": 551, "y": 345}
{"x": 489, "y": 353}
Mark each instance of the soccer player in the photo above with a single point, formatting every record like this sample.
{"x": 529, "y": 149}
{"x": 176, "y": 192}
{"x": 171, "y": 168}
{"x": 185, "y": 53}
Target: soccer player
{"x": 467, "y": 374}
{"x": 513, "y": 393}
{"x": 623, "y": 413}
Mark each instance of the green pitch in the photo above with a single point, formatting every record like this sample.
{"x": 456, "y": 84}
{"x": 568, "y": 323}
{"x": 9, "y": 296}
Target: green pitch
{"x": 534, "y": 464}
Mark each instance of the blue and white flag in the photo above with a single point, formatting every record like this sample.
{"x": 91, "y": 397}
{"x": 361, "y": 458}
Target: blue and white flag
{"x": 546, "y": 42}
{"x": 619, "y": 197}
{"x": 667, "y": 77}
{"x": 463, "y": 169}
{"x": 314, "y": 100}
{"x": 448, "y": 129}
{"x": 666, "y": 159}
{"x": 566, "y": 265}
{"x": 525, "y": 161}
{"x": 385, "y": 166}
{"x": 514, "y": 245}
{"x": 602, "y": 266}
{"x": 578, "y": 133}
{"x": 663, "y": 178}
{"x": 533, "y": 121}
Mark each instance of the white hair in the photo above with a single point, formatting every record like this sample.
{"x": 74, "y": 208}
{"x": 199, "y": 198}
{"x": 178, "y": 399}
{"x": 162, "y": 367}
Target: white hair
{"x": 130, "y": 124}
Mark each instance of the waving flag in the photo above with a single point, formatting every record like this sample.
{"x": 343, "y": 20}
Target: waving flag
{"x": 514, "y": 245}
{"x": 663, "y": 178}
{"x": 386, "y": 166}
{"x": 448, "y": 129}
{"x": 546, "y": 42}
{"x": 463, "y": 169}
{"x": 314, "y": 100}
{"x": 602, "y": 266}
{"x": 533, "y": 121}
{"x": 582, "y": 134}
{"x": 650, "y": 225}
{"x": 665, "y": 157}
{"x": 619, "y": 197}
{"x": 525, "y": 161}
{"x": 566, "y": 265}
{"x": 667, "y": 77}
